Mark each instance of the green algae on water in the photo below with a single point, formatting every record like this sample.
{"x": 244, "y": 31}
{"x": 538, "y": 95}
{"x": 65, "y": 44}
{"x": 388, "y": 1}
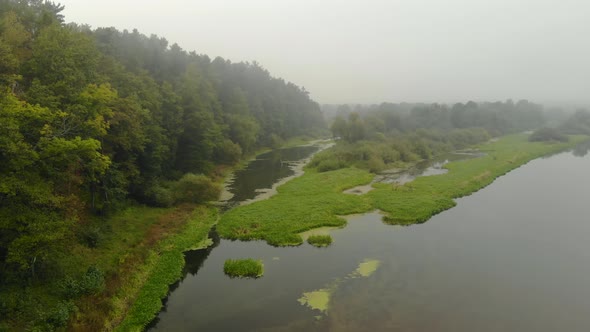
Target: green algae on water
{"x": 367, "y": 268}
{"x": 318, "y": 299}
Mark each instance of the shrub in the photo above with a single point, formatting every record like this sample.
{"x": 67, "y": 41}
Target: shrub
{"x": 91, "y": 236}
{"x": 59, "y": 316}
{"x": 319, "y": 240}
{"x": 92, "y": 282}
{"x": 330, "y": 165}
{"x": 228, "y": 152}
{"x": 547, "y": 134}
{"x": 243, "y": 268}
{"x": 375, "y": 164}
{"x": 194, "y": 188}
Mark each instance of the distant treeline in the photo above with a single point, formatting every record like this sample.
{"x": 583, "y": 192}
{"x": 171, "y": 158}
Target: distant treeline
{"x": 376, "y": 137}
{"x": 92, "y": 118}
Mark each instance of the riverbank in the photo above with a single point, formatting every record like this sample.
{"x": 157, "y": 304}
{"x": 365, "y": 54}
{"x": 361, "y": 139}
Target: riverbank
{"x": 140, "y": 256}
{"x": 316, "y": 199}
{"x": 164, "y": 265}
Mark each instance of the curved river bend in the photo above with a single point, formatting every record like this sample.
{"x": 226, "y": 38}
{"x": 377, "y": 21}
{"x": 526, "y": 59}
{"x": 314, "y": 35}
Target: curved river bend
{"x": 514, "y": 256}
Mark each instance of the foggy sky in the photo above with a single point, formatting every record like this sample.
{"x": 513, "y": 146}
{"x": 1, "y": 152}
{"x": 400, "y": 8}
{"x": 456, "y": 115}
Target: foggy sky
{"x": 372, "y": 51}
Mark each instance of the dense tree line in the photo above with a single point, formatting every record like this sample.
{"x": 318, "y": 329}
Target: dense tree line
{"x": 90, "y": 119}
{"x": 376, "y": 137}
{"x": 497, "y": 118}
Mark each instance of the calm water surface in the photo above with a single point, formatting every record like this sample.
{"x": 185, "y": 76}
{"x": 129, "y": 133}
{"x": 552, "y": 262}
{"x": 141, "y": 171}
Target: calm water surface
{"x": 514, "y": 256}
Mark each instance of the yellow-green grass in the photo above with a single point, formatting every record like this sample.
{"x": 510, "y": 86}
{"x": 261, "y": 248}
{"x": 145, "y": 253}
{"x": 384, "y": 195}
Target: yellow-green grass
{"x": 243, "y": 268}
{"x": 316, "y": 199}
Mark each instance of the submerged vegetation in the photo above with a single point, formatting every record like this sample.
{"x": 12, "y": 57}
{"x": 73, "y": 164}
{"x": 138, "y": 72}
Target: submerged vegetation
{"x": 319, "y": 240}
{"x": 243, "y": 268}
{"x": 320, "y": 299}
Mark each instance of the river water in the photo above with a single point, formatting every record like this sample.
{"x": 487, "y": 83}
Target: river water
{"x": 514, "y": 256}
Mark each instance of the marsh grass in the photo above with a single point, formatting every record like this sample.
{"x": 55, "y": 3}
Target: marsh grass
{"x": 319, "y": 240}
{"x": 243, "y": 268}
{"x": 310, "y": 201}
{"x": 316, "y": 199}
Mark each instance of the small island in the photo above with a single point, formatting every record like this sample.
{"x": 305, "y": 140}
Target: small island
{"x": 319, "y": 240}
{"x": 243, "y": 268}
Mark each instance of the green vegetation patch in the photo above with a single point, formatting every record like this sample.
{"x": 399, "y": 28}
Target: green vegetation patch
{"x": 310, "y": 201}
{"x": 419, "y": 200}
{"x": 316, "y": 199}
{"x": 243, "y": 268}
{"x": 320, "y": 299}
{"x": 319, "y": 240}
{"x": 164, "y": 267}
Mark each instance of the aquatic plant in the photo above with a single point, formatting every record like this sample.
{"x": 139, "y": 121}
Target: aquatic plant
{"x": 240, "y": 268}
{"x": 319, "y": 240}
{"x": 316, "y": 199}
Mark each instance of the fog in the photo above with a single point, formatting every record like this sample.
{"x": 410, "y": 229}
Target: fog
{"x": 374, "y": 51}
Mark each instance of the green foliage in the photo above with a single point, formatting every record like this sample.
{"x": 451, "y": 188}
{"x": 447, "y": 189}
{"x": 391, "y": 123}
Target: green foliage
{"x": 59, "y": 316}
{"x": 310, "y": 201}
{"x": 196, "y": 189}
{"x": 243, "y": 268}
{"x": 547, "y": 134}
{"x": 316, "y": 199}
{"x": 319, "y": 240}
{"x": 417, "y": 201}
{"x": 91, "y": 282}
{"x": 577, "y": 124}
{"x": 166, "y": 268}
{"x": 393, "y": 151}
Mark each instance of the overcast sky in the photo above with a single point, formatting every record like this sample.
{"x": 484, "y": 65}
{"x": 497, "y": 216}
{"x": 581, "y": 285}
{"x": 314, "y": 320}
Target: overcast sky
{"x": 372, "y": 51}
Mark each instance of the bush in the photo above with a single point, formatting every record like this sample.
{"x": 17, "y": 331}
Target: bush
{"x": 91, "y": 236}
{"x": 319, "y": 240}
{"x": 92, "y": 282}
{"x": 161, "y": 196}
{"x": 330, "y": 165}
{"x": 375, "y": 164}
{"x": 59, "y": 316}
{"x": 547, "y": 134}
{"x": 243, "y": 268}
{"x": 228, "y": 152}
{"x": 194, "y": 188}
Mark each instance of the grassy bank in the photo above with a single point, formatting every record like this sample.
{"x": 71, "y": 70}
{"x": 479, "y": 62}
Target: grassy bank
{"x": 424, "y": 197}
{"x": 316, "y": 199}
{"x": 164, "y": 267}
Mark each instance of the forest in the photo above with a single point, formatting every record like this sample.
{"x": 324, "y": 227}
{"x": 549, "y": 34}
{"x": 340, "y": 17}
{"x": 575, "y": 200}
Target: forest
{"x": 100, "y": 126}
{"x": 92, "y": 121}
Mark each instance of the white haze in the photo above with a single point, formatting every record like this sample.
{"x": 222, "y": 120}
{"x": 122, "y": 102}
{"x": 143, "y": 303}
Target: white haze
{"x": 373, "y": 51}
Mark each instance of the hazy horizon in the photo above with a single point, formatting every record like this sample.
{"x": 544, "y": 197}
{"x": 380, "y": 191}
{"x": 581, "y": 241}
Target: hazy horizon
{"x": 380, "y": 51}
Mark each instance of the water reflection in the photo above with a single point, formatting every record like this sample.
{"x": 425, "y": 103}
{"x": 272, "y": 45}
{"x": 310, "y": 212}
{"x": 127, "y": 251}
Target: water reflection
{"x": 264, "y": 171}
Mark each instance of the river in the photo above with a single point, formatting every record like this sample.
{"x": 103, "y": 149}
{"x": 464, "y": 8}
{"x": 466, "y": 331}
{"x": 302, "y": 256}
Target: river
{"x": 514, "y": 256}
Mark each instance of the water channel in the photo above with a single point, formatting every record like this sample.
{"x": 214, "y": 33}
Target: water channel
{"x": 514, "y": 256}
